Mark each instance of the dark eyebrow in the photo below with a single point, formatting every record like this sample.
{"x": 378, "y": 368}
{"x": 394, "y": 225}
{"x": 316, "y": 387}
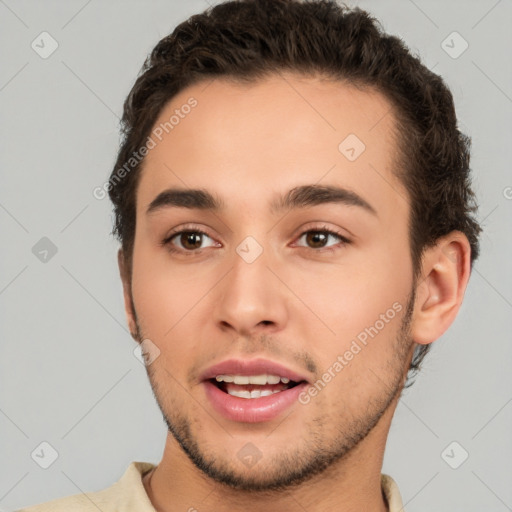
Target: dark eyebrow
{"x": 312, "y": 195}
{"x": 185, "y": 198}
{"x": 298, "y": 197}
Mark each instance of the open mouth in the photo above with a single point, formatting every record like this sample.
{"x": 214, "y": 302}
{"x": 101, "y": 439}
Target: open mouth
{"x": 252, "y": 398}
{"x": 252, "y": 390}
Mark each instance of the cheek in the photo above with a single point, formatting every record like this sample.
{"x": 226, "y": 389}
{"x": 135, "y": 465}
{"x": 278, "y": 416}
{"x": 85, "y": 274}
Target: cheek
{"x": 346, "y": 306}
{"x": 363, "y": 302}
{"x": 165, "y": 300}
{"x": 170, "y": 302}
{"x": 163, "y": 290}
{"x": 162, "y": 310}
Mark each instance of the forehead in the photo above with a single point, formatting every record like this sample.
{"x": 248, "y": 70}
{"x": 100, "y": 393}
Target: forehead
{"x": 251, "y": 140}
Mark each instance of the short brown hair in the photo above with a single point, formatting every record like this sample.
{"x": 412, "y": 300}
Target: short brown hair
{"x": 248, "y": 40}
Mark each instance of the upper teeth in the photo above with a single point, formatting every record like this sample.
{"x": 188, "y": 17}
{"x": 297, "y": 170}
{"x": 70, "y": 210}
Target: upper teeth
{"x": 252, "y": 379}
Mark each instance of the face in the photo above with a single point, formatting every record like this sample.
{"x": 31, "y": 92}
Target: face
{"x": 317, "y": 279}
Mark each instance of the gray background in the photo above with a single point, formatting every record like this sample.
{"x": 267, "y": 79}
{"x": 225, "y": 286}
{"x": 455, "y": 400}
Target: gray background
{"x": 68, "y": 373}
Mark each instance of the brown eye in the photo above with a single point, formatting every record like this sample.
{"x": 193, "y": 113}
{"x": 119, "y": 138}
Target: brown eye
{"x": 316, "y": 239}
{"x": 319, "y": 239}
{"x": 190, "y": 240}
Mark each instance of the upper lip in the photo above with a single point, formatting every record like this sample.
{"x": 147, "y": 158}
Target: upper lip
{"x": 251, "y": 367}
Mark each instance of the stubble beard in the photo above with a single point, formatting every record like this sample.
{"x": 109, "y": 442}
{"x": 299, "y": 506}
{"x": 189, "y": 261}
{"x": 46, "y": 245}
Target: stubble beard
{"x": 291, "y": 466}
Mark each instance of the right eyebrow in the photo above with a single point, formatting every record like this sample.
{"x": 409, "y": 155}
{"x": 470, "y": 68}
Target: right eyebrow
{"x": 185, "y": 198}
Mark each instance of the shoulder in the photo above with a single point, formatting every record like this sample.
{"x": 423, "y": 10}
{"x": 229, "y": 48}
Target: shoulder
{"x": 126, "y": 494}
{"x": 69, "y": 503}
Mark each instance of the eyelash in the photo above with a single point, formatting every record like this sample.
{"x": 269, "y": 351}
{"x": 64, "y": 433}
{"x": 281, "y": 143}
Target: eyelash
{"x": 188, "y": 253}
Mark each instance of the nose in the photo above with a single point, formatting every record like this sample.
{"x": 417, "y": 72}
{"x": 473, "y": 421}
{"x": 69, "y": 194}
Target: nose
{"x": 250, "y": 299}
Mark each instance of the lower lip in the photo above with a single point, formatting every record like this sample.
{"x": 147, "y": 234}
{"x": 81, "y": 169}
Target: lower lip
{"x": 252, "y": 410}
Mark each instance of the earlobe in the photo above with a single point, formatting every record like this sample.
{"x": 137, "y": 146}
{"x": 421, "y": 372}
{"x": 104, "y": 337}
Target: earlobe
{"x": 441, "y": 287}
{"x": 127, "y": 294}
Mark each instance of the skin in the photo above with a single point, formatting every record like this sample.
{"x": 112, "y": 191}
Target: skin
{"x": 297, "y": 303}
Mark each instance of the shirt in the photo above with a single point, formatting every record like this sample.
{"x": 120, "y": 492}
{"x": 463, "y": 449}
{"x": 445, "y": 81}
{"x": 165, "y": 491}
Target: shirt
{"x": 128, "y": 495}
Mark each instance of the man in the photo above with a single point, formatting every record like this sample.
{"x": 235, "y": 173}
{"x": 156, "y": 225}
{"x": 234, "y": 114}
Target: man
{"x": 293, "y": 202}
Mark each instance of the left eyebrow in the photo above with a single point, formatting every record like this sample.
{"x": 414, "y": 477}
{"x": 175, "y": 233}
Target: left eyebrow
{"x": 312, "y": 195}
{"x": 298, "y": 197}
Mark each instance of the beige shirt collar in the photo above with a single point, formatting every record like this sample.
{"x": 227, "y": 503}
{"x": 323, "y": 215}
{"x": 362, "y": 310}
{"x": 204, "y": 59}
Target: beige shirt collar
{"x": 129, "y": 495}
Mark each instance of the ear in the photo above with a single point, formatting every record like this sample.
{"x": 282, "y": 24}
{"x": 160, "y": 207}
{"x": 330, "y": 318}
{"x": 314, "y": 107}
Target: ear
{"x": 444, "y": 276}
{"x": 127, "y": 293}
